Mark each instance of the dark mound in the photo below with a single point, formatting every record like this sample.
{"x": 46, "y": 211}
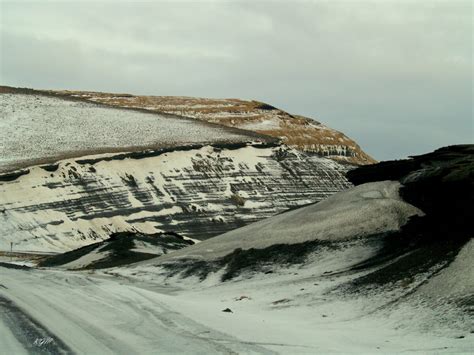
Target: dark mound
{"x": 441, "y": 184}
{"x": 249, "y": 261}
{"x": 14, "y": 266}
{"x": 118, "y": 249}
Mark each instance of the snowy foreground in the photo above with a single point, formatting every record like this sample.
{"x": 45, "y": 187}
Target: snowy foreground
{"x": 284, "y": 314}
{"x": 346, "y": 296}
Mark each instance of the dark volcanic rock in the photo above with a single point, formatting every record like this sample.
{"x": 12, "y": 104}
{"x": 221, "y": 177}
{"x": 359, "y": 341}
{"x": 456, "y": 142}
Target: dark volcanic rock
{"x": 441, "y": 184}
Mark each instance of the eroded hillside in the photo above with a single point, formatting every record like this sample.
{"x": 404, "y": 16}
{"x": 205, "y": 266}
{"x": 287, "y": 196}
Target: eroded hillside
{"x": 198, "y": 192}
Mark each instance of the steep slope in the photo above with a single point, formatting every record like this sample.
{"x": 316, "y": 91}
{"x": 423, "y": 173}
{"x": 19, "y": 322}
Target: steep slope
{"x": 361, "y": 212}
{"x": 196, "y": 191}
{"x": 295, "y": 131}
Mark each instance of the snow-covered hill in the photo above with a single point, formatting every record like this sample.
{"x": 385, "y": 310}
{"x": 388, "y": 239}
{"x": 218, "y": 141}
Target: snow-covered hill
{"x": 196, "y": 191}
{"x": 295, "y": 131}
{"x": 361, "y": 212}
{"x": 35, "y": 128}
{"x": 411, "y": 227}
{"x": 72, "y": 172}
{"x": 383, "y": 266}
{"x": 393, "y": 253}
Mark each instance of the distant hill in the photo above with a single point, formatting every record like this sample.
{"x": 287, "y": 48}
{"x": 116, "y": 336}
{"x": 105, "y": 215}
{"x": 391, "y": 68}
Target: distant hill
{"x": 37, "y": 127}
{"x": 295, "y": 131}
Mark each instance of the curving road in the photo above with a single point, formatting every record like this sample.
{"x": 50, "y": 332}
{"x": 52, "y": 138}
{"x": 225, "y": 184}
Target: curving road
{"x": 62, "y": 312}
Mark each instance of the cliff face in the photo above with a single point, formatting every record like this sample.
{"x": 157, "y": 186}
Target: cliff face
{"x": 295, "y": 131}
{"x": 198, "y": 192}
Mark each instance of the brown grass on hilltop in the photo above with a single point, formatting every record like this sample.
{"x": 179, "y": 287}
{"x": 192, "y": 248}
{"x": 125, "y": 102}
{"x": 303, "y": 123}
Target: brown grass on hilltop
{"x": 296, "y": 131}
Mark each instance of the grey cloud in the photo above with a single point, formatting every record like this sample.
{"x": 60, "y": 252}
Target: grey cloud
{"x": 395, "y": 76}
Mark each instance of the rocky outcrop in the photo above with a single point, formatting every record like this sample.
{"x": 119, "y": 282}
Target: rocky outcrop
{"x": 441, "y": 184}
{"x": 198, "y": 192}
{"x": 295, "y": 131}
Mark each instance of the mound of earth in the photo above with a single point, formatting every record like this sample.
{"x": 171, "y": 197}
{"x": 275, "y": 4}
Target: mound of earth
{"x": 120, "y": 249}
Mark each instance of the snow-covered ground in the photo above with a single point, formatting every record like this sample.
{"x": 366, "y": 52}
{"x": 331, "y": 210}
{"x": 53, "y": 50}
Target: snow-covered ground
{"x": 41, "y": 128}
{"x": 291, "y": 311}
{"x": 323, "y": 303}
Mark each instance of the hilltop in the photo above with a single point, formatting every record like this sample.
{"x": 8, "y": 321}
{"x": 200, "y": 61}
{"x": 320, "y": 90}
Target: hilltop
{"x": 296, "y": 131}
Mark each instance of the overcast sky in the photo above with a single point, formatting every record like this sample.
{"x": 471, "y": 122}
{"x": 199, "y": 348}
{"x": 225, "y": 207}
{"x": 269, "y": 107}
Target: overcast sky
{"x": 396, "y": 76}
